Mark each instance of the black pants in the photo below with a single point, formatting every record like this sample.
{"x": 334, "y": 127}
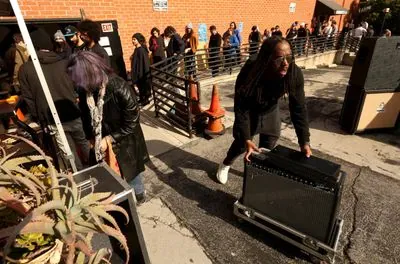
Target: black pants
{"x": 239, "y": 147}
{"x": 214, "y": 61}
{"x": 190, "y": 64}
{"x": 267, "y": 125}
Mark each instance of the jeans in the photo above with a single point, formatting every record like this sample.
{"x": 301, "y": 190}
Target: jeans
{"x": 76, "y": 139}
{"x": 137, "y": 184}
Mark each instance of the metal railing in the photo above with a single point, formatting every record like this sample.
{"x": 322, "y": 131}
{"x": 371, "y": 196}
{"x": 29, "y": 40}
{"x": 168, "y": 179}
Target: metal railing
{"x": 173, "y": 98}
{"x": 173, "y": 78}
{"x": 207, "y": 63}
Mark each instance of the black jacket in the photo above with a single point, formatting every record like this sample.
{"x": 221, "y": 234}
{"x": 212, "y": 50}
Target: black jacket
{"x": 140, "y": 69}
{"x": 60, "y": 86}
{"x": 215, "y": 42}
{"x": 99, "y": 50}
{"x": 175, "y": 46}
{"x": 121, "y": 121}
{"x": 247, "y": 112}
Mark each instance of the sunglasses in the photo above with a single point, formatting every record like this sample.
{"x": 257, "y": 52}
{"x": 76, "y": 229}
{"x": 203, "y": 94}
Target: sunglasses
{"x": 279, "y": 61}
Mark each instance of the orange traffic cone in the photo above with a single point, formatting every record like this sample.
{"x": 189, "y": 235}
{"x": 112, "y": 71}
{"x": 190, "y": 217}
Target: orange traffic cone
{"x": 215, "y": 115}
{"x": 195, "y": 107}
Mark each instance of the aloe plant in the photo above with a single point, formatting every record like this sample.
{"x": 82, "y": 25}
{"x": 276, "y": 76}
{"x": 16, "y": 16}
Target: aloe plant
{"x": 59, "y": 211}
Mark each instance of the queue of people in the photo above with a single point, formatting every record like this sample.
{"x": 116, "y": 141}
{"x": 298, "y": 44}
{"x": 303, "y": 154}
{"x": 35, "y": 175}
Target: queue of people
{"x": 100, "y": 111}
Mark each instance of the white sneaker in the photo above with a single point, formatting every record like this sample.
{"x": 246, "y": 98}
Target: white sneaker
{"x": 222, "y": 174}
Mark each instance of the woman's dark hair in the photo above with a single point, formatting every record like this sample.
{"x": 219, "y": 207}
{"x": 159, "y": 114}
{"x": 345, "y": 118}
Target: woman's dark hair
{"x": 234, "y": 24}
{"x": 169, "y": 31}
{"x": 140, "y": 38}
{"x": 253, "y": 28}
{"x": 251, "y": 84}
{"x": 91, "y": 28}
{"x": 213, "y": 28}
{"x": 155, "y": 29}
{"x": 88, "y": 70}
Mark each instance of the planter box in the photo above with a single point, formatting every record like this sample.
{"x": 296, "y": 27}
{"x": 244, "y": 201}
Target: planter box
{"x": 105, "y": 179}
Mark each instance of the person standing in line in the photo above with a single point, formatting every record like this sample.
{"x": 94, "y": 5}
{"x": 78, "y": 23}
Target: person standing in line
{"x": 302, "y": 35}
{"x": 90, "y": 32}
{"x": 291, "y": 33}
{"x": 62, "y": 91}
{"x": 291, "y": 36}
{"x": 61, "y": 47}
{"x": 229, "y": 50}
{"x": 370, "y": 31}
{"x": 175, "y": 48}
{"x": 140, "y": 68}
{"x": 237, "y": 39}
{"x": 191, "y": 44}
{"x": 231, "y": 44}
{"x": 73, "y": 35}
{"x": 109, "y": 106}
{"x": 255, "y": 40}
{"x": 15, "y": 57}
{"x": 156, "y": 45}
{"x": 267, "y": 34}
{"x": 214, "y": 48}
{"x": 387, "y": 33}
{"x": 357, "y": 34}
{"x": 262, "y": 81}
{"x": 277, "y": 32}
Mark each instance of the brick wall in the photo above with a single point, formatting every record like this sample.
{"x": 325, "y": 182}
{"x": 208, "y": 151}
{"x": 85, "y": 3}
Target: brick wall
{"x": 138, "y": 15}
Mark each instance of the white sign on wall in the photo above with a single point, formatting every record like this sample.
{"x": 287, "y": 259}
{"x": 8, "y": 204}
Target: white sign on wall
{"x": 292, "y": 7}
{"x": 160, "y": 5}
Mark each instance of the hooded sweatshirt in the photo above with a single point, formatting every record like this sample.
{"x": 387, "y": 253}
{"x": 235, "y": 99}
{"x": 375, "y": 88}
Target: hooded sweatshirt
{"x": 60, "y": 86}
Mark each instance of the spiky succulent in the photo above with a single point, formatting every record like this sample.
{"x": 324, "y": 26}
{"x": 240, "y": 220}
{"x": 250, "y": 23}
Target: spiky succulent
{"x": 59, "y": 211}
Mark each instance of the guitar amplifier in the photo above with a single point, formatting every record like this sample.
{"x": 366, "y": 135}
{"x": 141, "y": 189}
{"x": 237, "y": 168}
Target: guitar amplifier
{"x": 299, "y": 192}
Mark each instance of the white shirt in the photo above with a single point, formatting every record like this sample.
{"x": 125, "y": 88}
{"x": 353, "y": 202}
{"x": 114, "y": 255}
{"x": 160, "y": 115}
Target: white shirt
{"x": 359, "y": 32}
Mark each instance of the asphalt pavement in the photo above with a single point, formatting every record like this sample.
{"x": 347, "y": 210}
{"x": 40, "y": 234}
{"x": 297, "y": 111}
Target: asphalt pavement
{"x": 184, "y": 179}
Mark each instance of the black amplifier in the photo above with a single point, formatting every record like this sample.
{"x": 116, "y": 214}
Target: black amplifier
{"x": 299, "y": 192}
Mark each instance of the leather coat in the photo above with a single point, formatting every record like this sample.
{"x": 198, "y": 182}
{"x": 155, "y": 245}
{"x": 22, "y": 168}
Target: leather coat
{"x": 121, "y": 121}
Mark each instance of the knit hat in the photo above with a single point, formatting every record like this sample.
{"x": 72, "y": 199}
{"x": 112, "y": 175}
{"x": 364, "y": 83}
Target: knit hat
{"x": 70, "y": 31}
{"x": 58, "y": 36}
{"x": 189, "y": 26}
{"x": 140, "y": 38}
{"x": 41, "y": 40}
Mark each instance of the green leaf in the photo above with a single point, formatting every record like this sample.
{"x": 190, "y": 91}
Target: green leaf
{"x": 51, "y": 205}
{"x": 30, "y": 175}
{"x": 5, "y": 158}
{"x": 11, "y": 163}
{"x": 102, "y": 213}
{"x": 115, "y": 208}
{"x": 94, "y": 198}
{"x": 99, "y": 256}
{"x": 80, "y": 259}
{"x": 120, "y": 237}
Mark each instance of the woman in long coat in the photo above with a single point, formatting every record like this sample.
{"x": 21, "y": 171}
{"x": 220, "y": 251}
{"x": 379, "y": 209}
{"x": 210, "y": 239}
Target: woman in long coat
{"x": 110, "y": 116}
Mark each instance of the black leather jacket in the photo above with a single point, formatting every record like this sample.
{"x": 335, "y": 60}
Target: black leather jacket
{"x": 121, "y": 121}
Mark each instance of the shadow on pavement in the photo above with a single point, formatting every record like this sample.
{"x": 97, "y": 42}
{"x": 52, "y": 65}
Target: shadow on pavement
{"x": 193, "y": 178}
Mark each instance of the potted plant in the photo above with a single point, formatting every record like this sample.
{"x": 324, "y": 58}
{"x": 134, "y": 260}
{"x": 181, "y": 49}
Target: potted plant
{"x": 47, "y": 219}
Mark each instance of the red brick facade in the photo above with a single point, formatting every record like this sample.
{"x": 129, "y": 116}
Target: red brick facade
{"x": 138, "y": 15}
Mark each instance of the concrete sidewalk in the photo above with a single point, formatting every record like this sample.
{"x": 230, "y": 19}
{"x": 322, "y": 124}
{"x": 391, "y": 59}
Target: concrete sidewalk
{"x": 181, "y": 176}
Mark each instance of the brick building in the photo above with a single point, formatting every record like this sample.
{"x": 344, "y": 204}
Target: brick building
{"x": 139, "y": 15}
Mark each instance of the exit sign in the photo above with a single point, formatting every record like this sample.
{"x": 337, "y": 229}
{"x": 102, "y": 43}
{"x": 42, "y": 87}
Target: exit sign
{"x": 107, "y": 27}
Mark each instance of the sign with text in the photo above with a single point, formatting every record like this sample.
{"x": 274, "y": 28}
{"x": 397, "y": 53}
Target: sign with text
{"x": 292, "y": 7}
{"x": 107, "y": 27}
{"x": 160, "y": 5}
